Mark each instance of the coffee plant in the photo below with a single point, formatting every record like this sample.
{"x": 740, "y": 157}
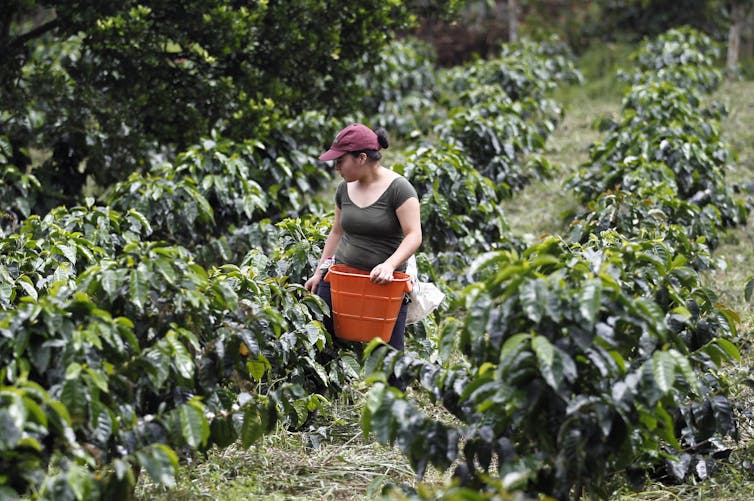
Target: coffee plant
{"x": 171, "y": 319}
{"x": 647, "y": 203}
{"x": 401, "y": 89}
{"x": 665, "y": 123}
{"x": 220, "y": 185}
{"x": 496, "y": 140}
{"x": 45, "y": 251}
{"x": 572, "y": 371}
{"x": 568, "y": 362}
{"x": 525, "y": 69}
{"x": 175, "y": 208}
{"x": 122, "y": 352}
{"x": 683, "y": 57}
{"x": 460, "y": 207}
{"x": 499, "y": 111}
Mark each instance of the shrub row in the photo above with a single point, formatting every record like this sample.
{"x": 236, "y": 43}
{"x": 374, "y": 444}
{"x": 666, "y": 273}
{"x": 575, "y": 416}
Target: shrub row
{"x": 128, "y": 339}
{"x": 117, "y": 351}
{"x": 571, "y": 360}
{"x": 493, "y": 114}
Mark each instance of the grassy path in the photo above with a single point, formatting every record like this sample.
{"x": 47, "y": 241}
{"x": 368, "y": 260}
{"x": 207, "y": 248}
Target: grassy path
{"x": 285, "y": 466}
{"x": 737, "y": 247}
{"x": 543, "y": 207}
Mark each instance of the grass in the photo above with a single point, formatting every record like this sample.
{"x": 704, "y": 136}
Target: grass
{"x": 344, "y": 466}
{"x": 737, "y": 127}
{"x": 737, "y": 245}
{"x": 347, "y": 466}
{"x": 545, "y": 207}
{"x": 285, "y": 466}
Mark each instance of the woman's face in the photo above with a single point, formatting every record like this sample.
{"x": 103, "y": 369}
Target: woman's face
{"x": 348, "y": 166}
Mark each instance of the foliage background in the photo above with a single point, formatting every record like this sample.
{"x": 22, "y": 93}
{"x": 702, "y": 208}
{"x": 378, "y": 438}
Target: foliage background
{"x": 152, "y": 154}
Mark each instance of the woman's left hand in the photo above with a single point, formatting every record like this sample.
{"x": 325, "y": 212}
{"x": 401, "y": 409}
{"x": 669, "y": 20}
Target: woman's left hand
{"x": 382, "y": 273}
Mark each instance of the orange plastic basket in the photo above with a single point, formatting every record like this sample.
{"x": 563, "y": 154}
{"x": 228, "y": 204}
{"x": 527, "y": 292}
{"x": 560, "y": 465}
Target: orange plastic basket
{"x": 363, "y": 310}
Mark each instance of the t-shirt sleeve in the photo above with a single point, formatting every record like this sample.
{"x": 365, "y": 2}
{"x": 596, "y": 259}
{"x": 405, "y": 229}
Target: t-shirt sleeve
{"x": 403, "y": 191}
{"x": 339, "y": 195}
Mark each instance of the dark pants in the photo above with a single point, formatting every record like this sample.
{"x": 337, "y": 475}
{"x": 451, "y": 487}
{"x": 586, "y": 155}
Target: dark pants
{"x": 399, "y": 329}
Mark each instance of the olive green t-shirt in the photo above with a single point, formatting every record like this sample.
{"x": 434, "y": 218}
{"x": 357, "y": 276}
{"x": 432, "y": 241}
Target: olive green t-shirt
{"x": 371, "y": 234}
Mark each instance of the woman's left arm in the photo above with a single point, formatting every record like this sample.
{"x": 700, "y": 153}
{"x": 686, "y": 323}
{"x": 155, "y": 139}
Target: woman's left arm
{"x": 409, "y": 216}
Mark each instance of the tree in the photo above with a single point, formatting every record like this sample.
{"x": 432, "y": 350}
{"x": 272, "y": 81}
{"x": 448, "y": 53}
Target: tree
{"x": 513, "y": 20}
{"x": 739, "y": 10}
{"x": 101, "y": 86}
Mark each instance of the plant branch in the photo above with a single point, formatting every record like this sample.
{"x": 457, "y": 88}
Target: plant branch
{"x": 36, "y": 32}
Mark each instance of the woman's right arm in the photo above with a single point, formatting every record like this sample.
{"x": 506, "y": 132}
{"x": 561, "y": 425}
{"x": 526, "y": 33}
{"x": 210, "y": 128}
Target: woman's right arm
{"x": 329, "y": 251}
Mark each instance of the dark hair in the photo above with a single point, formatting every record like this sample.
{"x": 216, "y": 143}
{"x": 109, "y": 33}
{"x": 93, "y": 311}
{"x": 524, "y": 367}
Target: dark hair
{"x": 375, "y": 155}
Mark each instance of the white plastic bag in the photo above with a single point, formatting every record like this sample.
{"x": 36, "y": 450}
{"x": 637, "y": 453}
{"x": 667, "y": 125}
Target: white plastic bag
{"x": 425, "y": 296}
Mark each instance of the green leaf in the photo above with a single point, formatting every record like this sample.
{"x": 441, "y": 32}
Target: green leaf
{"x": 667, "y": 429}
{"x": 544, "y": 350}
{"x": 728, "y": 348}
{"x": 511, "y": 345}
{"x": 35, "y": 411}
{"x": 165, "y": 268}
{"x": 81, "y": 481}
{"x": 683, "y": 365}
{"x": 12, "y": 426}
{"x": 254, "y": 424}
{"x": 555, "y": 366}
{"x": 490, "y": 260}
{"x": 138, "y": 287}
{"x": 28, "y": 287}
{"x": 545, "y": 260}
{"x": 749, "y": 290}
{"x": 301, "y": 408}
{"x": 194, "y": 426}
{"x": 223, "y": 432}
{"x": 663, "y": 368}
{"x": 125, "y": 329}
{"x": 6, "y": 292}
{"x": 318, "y": 369}
{"x": 5, "y": 149}
{"x": 73, "y": 371}
{"x": 68, "y": 251}
{"x": 591, "y": 300}
{"x": 226, "y": 293}
{"x": 374, "y": 398}
{"x": 534, "y": 298}
{"x": 374, "y": 356}
{"x": 314, "y": 333}
{"x": 99, "y": 379}
{"x": 447, "y": 335}
{"x": 110, "y": 282}
{"x": 76, "y": 399}
{"x": 383, "y": 422}
{"x": 722, "y": 409}
{"x": 258, "y": 367}
{"x": 158, "y": 368}
{"x": 182, "y": 360}
{"x": 122, "y": 469}
{"x": 103, "y": 428}
{"x": 161, "y": 463}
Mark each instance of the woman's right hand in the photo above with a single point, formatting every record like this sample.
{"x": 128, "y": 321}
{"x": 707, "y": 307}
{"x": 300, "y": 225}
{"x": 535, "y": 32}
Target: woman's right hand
{"x": 312, "y": 284}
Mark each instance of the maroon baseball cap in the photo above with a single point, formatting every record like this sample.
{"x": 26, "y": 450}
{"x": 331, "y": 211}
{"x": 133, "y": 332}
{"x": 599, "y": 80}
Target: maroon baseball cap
{"x": 355, "y": 137}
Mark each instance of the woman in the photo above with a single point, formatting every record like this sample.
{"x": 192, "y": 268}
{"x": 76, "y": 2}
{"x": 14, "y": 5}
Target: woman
{"x": 377, "y": 224}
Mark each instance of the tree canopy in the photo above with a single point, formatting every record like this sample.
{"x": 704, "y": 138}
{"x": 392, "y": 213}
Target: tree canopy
{"x": 95, "y": 90}
{"x": 101, "y": 86}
